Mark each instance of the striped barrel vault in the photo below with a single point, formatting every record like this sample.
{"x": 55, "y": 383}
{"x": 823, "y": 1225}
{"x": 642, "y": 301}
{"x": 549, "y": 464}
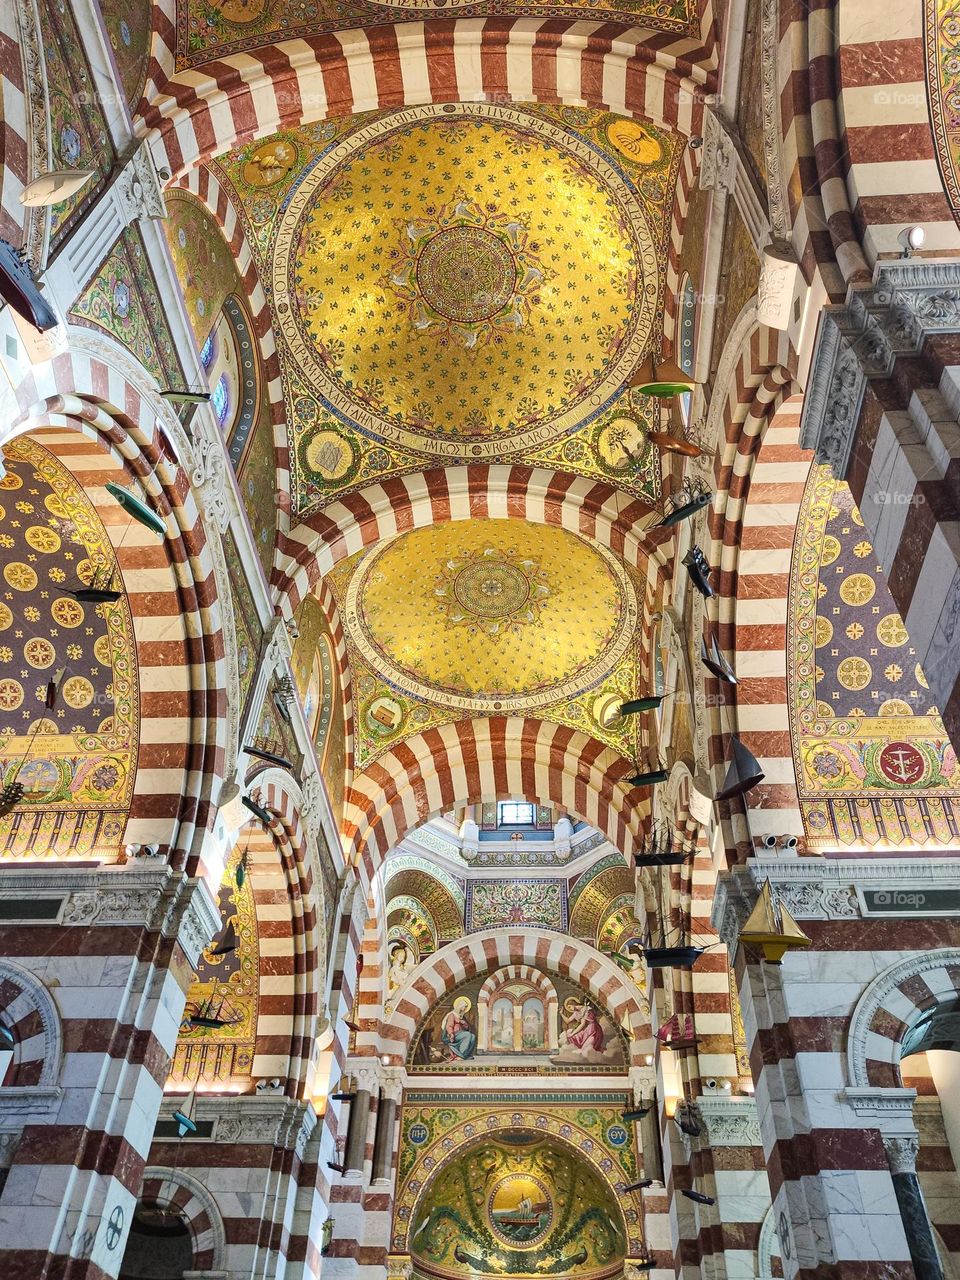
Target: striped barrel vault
{"x": 759, "y": 385}
{"x": 87, "y": 394}
{"x": 196, "y": 115}
{"x": 495, "y": 758}
{"x": 290, "y": 910}
{"x": 858, "y": 154}
{"x": 771, "y": 497}
{"x": 479, "y": 492}
{"x": 13, "y": 127}
{"x": 892, "y": 174}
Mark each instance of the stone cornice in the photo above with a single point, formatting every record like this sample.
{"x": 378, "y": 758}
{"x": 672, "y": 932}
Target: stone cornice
{"x": 818, "y": 889}
{"x": 862, "y": 339}
{"x": 138, "y": 894}
{"x": 729, "y": 1122}
{"x": 251, "y": 1118}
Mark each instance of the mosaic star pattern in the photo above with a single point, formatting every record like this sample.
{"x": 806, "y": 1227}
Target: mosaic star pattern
{"x": 866, "y": 729}
{"x": 79, "y": 759}
{"x": 408, "y": 283}
{"x": 491, "y": 615}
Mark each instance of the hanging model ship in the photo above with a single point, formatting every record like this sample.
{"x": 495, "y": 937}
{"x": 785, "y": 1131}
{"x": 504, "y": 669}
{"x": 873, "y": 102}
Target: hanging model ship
{"x": 771, "y": 928}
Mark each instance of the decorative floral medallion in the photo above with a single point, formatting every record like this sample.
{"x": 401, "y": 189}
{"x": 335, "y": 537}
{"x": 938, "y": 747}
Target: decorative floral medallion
{"x": 467, "y": 273}
{"x": 494, "y": 591}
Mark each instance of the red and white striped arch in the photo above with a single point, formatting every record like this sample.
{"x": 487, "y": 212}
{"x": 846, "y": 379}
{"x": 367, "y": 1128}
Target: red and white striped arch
{"x": 858, "y": 155}
{"x": 495, "y": 758}
{"x": 290, "y": 913}
{"x": 14, "y": 129}
{"x": 197, "y": 115}
{"x": 894, "y": 1002}
{"x": 530, "y": 949}
{"x": 178, "y": 1192}
{"x": 590, "y": 507}
{"x": 28, "y": 1012}
{"x": 173, "y": 590}
{"x": 751, "y": 546}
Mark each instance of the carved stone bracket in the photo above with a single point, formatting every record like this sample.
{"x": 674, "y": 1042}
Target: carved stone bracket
{"x": 210, "y": 473}
{"x": 138, "y": 188}
{"x": 718, "y": 161}
{"x": 863, "y": 339}
{"x": 253, "y": 1118}
{"x": 730, "y": 1122}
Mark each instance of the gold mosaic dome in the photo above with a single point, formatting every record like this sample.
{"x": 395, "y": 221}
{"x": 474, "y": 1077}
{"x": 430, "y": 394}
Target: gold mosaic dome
{"x": 463, "y": 278}
{"x": 491, "y": 615}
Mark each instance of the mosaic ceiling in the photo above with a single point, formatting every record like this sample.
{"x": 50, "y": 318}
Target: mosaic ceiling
{"x": 208, "y": 29}
{"x": 527, "y": 1206}
{"x": 942, "y": 64}
{"x": 78, "y": 760}
{"x": 462, "y": 283}
{"x": 487, "y": 617}
{"x": 873, "y": 759}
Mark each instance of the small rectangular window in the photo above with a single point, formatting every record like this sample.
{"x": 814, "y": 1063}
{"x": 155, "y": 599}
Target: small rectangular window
{"x": 513, "y": 814}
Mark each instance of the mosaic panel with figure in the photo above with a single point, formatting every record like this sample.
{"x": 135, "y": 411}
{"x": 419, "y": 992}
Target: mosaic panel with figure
{"x": 575, "y": 1154}
{"x": 507, "y": 1024}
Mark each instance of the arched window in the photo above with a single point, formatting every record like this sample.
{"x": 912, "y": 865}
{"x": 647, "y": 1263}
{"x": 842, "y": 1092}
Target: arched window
{"x": 208, "y": 351}
{"x": 220, "y": 399}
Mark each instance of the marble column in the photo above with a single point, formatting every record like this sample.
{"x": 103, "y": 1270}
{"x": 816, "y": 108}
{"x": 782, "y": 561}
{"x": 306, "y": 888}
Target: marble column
{"x": 353, "y": 1156}
{"x": 384, "y": 1142}
{"x": 902, "y": 1155}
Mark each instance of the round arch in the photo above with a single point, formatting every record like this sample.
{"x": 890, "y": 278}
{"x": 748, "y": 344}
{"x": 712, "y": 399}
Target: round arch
{"x": 491, "y": 949}
{"x": 890, "y": 1006}
{"x": 98, "y": 391}
{"x": 247, "y": 96}
{"x": 473, "y": 760}
{"x": 29, "y": 1012}
{"x": 189, "y": 1198}
{"x": 401, "y": 503}
{"x": 433, "y": 1158}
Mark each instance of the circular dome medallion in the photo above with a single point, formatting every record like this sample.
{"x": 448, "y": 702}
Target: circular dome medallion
{"x": 491, "y": 615}
{"x": 466, "y": 274}
{"x": 520, "y": 1209}
{"x": 469, "y": 277}
{"x": 491, "y": 590}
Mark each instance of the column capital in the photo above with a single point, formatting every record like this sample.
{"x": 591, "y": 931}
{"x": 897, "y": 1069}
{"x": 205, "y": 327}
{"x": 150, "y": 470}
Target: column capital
{"x": 730, "y": 1122}
{"x": 863, "y": 338}
{"x": 902, "y": 1153}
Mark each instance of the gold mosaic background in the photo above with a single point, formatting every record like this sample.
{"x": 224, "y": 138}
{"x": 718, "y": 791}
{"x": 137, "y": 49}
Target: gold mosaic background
{"x": 391, "y": 361}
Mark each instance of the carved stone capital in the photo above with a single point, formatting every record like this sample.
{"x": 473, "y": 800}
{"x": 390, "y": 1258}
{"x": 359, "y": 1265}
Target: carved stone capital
{"x": 729, "y": 1122}
{"x": 138, "y": 188}
{"x": 399, "y": 1266}
{"x": 718, "y": 159}
{"x": 863, "y": 339}
{"x": 277, "y": 645}
{"x": 210, "y": 473}
{"x": 902, "y": 1153}
{"x": 367, "y": 1073}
